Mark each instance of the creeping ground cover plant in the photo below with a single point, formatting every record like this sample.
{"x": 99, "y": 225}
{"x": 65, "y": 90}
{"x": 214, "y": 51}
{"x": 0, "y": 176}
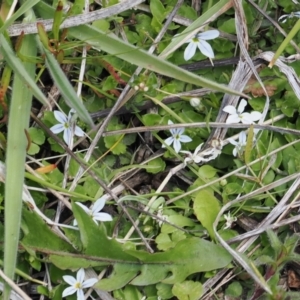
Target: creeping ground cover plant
{"x": 131, "y": 167}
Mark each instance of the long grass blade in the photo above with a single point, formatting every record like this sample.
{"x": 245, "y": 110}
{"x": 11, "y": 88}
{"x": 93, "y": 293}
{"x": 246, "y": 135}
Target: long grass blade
{"x": 16, "y": 152}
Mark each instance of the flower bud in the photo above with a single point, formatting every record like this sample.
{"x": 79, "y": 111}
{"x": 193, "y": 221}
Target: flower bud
{"x": 223, "y": 182}
{"x": 194, "y": 102}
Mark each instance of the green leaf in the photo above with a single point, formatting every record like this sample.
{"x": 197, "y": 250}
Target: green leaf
{"x": 188, "y": 290}
{"x": 156, "y": 165}
{"x": 151, "y": 119}
{"x": 38, "y": 236}
{"x": 189, "y": 256}
{"x": 157, "y": 10}
{"x": 33, "y": 149}
{"x": 207, "y": 172}
{"x": 228, "y": 26}
{"x": 206, "y": 207}
{"x": 37, "y": 135}
{"x": 234, "y": 289}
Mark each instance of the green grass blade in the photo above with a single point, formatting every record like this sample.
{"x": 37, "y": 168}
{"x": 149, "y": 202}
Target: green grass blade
{"x": 116, "y": 47}
{"x": 23, "y": 9}
{"x": 18, "y": 67}
{"x": 284, "y": 44}
{"x": 16, "y": 152}
{"x": 65, "y": 87}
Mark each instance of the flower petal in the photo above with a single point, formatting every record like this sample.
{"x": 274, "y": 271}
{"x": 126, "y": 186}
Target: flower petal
{"x": 230, "y": 109}
{"x": 208, "y": 35}
{"x": 283, "y": 17}
{"x": 242, "y": 138}
{"x": 242, "y": 106}
{"x": 60, "y": 117}
{"x": 69, "y": 279}
{"x": 232, "y": 141}
{"x": 206, "y": 49}
{"x": 233, "y": 119}
{"x": 185, "y": 139}
{"x": 80, "y": 294}
{"x": 57, "y": 128}
{"x": 168, "y": 141}
{"x": 67, "y": 136}
{"x": 68, "y": 291}
{"x": 255, "y": 115}
{"x": 190, "y": 50}
{"x": 89, "y": 282}
{"x": 98, "y": 205}
{"x": 246, "y": 118}
{"x": 235, "y": 151}
{"x": 102, "y": 217}
{"x": 186, "y": 152}
{"x": 78, "y": 131}
{"x": 198, "y": 148}
{"x": 80, "y": 275}
{"x": 86, "y": 209}
{"x": 177, "y": 145}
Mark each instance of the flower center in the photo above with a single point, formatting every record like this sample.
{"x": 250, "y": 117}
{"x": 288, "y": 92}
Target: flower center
{"x": 78, "y": 285}
{"x": 177, "y": 137}
{"x": 66, "y": 125}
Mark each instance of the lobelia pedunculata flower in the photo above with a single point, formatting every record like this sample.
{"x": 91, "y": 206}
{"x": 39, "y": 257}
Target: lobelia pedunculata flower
{"x": 200, "y": 41}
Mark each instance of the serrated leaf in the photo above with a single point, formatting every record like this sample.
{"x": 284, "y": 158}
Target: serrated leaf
{"x": 189, "y": 256}
{"x": 206, "y": 207}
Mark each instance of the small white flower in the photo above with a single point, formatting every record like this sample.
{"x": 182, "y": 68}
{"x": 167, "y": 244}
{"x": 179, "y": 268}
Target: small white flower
{"x": 239, "y": 146}
{"x": 193, "y": 157}
{"x": 65, "y": 126}
{"x": 283, "y": 18}
{"x": 77, "y": 284}
{"x": 229, "y": 220}
{"x": 177, "y": 138}
{"x": 237, "y": 115}
{"x": 206, "y": 155}
{"x": 194, "y": 102}
{"x": 94, "y": 212}
{"x": 200, "y": 41}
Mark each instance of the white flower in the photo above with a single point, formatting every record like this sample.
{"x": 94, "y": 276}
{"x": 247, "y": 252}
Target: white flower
{"x": 65, "y": 126}
{"x": 193, "y": 157}
{"x": 239, "y": 146}
{"x": 77, "y": 284}
{"x": 283, "y": 18}
{"x": 237, "y": 115}
{"x": 176, "y": 138}
{"x": 200, "y": 41}
{"x": 206, "y": 155}
{"x": 194, "y": 102}
{"x": 229, "y": 220}
{"x": 94, "y": 212}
